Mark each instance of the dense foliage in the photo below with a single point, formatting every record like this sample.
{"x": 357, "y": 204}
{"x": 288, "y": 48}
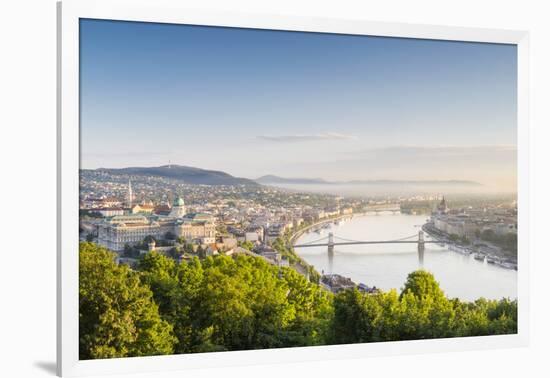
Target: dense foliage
{"x": 242, "y": 302}
{"x": 118, "y": 316}
{"x": 421, "y": 311}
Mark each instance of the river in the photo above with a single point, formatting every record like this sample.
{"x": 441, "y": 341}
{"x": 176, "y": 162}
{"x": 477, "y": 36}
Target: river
{"x": 386, "y": 266}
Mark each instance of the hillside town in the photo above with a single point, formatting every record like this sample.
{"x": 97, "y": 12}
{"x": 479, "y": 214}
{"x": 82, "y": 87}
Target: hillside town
{"x": 136, "y": 216}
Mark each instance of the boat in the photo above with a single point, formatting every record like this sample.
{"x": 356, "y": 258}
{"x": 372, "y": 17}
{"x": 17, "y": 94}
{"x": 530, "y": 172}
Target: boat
{"x": 479, "y": 257}
{"x": 509, "y": 265}
{"x": 462, "y": 250}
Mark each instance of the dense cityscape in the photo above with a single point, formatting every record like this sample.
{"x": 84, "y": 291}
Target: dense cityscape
{"x": 132, "y": 215}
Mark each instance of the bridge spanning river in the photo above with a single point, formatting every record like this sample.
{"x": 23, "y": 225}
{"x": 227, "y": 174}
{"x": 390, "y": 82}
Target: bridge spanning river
{"x": 381, "y": 250}
{"x": 331, "y": 241}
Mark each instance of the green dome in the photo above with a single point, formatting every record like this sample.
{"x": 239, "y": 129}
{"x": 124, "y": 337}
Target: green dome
{"x": 179, "y": 201}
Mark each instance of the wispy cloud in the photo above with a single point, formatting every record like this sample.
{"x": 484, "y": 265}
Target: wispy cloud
{"x": 443, "y": 151}
{"x": 305, "y": 137}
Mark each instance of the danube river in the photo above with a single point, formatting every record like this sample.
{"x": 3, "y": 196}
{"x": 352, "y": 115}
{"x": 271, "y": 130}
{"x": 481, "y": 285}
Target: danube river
{"x": 386, "y": 266}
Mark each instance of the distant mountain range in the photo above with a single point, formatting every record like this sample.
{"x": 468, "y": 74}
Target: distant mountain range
{"x": 274, "y": 180}
{"x": 271, "y": 179}
{"x": 198, "y": 176}
{"x": 189, "y": 175}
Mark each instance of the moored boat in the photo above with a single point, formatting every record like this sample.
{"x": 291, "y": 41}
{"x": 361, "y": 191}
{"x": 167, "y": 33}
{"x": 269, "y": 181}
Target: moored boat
{"x": 479, "y": 257}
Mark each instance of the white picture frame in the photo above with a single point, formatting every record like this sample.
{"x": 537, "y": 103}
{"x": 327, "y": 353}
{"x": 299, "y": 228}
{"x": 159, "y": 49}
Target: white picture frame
{"x": 69, "y": 13}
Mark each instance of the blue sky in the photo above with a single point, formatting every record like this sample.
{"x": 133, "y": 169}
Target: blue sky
{"x": 255, "y": 102}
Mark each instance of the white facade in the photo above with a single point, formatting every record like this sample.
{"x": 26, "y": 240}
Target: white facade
{"x": 128, "y": 229}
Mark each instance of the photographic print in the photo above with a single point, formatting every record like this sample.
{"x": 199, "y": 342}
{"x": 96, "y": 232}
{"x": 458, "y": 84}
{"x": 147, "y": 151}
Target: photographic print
{"x": 246, "y": 189}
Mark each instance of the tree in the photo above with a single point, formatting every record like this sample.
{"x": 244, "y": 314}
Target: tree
{"x": 422, "y": 285}
{"x": 312, "y": 308}
{"x": 427, "y": 311}
{"x": 488, "y": 235}
{"x": 464, "y": 240}
{"x": 118, "y": 317}
{"x": 158, "y": 273}
{"x": 244, "y": 302}
{"x": 246, "y": 245}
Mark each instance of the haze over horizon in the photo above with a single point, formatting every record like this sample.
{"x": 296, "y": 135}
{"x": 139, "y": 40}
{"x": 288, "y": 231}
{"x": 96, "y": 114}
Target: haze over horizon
{"x": 259, "y": 102}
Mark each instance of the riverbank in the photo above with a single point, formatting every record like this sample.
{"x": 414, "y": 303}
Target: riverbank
{"x": 296, "y": 235}
{"x": 482, "y": 251}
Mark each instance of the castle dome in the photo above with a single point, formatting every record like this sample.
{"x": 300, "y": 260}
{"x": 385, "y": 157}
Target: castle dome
{"x": 178, "y": 209}
{"x": 179, "y": 202}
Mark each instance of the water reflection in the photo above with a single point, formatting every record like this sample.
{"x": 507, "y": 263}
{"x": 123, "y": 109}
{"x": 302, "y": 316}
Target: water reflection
{"x": 330, "y": 259}
{"x": 421, "y": 256}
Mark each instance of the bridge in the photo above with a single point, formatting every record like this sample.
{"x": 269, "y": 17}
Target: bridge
{"x": 329, "y": 241}
{"x": 383, "y": 207}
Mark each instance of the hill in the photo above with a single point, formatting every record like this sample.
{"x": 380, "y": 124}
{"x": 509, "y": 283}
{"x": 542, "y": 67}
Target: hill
{"x": 190, "y": 175}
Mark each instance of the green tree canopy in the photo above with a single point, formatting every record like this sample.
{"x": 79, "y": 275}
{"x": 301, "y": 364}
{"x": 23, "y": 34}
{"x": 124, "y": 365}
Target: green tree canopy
{"x": 118, "y": 316}
{"x": 243, "y": 302}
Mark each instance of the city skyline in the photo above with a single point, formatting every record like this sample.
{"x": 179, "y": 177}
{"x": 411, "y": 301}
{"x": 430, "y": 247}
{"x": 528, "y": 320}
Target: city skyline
{"x": 294, "y": 104}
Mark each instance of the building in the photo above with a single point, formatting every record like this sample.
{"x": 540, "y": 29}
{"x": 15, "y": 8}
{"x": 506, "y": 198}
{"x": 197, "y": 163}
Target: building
{"x": 196, "y": 227}
{"x": 461, "y": 226}
{"x": 347, "y": 211}
{"x": 142, "y": 209}
{"x": 336, "y": 282}
{"x": 163, "y": 209}
{"x": 442, "y": 207}
{"x": 115, "y": 233}
{"x": 178, "y": 208}
{"x": 121, "y": 230}
{"x": 109, "y": 211}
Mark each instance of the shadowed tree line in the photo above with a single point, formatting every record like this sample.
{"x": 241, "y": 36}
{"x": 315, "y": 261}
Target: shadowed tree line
{"x": 239, "y": 303}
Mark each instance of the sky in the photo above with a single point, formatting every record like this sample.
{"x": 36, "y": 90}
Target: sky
{"x": 256, "y": 102}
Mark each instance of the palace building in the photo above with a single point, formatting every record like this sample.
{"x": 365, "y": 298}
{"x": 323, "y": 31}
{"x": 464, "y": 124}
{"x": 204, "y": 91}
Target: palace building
{"x": 118, "y": 231}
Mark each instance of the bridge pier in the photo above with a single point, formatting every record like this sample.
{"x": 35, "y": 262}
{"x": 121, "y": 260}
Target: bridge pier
{"x": 330, "y": 242}
{"x": 421, "y": 248}
{"x": 330, "y": 252}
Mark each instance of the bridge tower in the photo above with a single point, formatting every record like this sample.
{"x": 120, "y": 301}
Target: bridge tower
{"x": 421, "y": 248}
{"x": 330, "y": 242}
{"x": 330, "y": 251}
